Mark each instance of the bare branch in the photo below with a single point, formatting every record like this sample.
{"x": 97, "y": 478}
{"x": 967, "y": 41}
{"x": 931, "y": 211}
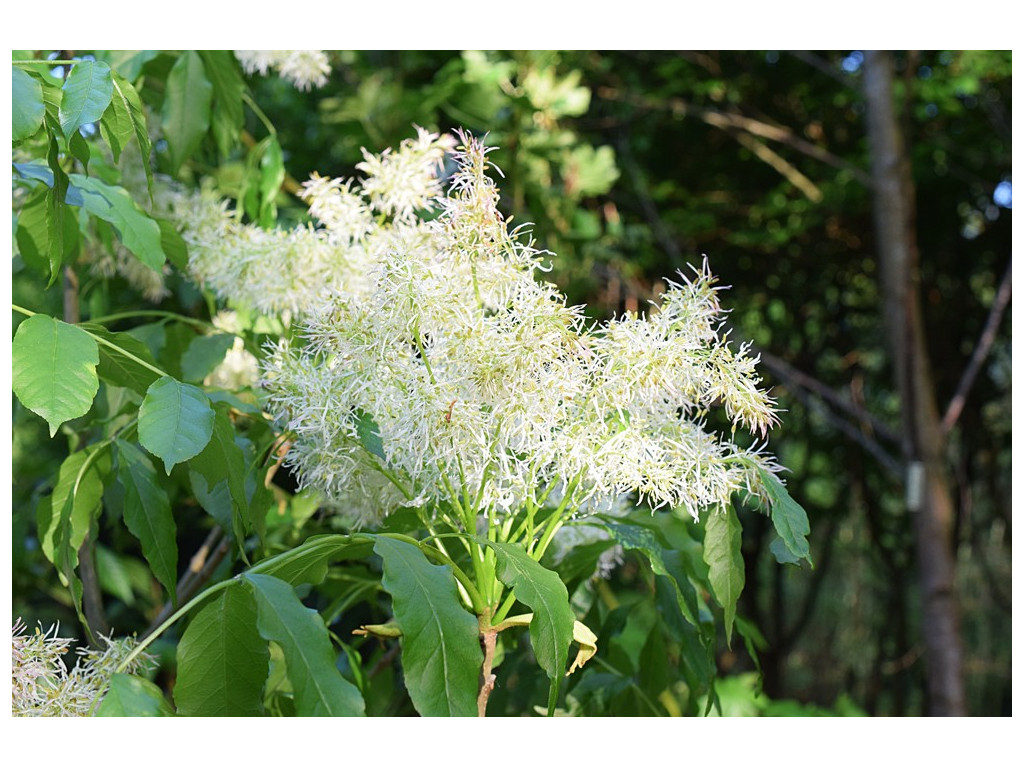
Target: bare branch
{"x": 736, "y": 121}
{"x": 200, "y": 568}
{"x": 981, "y": 351}
{"x": 788, "y": 373}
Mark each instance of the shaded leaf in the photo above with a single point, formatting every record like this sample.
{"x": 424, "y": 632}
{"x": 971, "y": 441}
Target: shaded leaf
{"x": 441, "y": 654}
{"x": 228, "y": 117}
{"x": 645, "y": 541}
{"x": 56, "y": 205}
{"x": 204, "y": 354}
{"x": 42, "y": 173}
{"x": 133, "y": 696}
{"x": 147, "y": 514}
{"x": 173, "y": 245}
{"x": 139, "y": 233}
{"x": 222, "y": 660}
{"x": 116, "y": 366}
{"x": 320, "y": 690}
{"x": 222, "y": 461}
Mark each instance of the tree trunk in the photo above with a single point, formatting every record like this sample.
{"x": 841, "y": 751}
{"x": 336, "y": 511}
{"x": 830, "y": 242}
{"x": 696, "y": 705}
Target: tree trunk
{"x": 929, "y": 500}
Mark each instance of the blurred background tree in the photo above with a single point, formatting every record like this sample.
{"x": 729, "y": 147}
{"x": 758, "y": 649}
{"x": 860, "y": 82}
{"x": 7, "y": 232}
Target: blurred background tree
{"x": 630, "y": 166}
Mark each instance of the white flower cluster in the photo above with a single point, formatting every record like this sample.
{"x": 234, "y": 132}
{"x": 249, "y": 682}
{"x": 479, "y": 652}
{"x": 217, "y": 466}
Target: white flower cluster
{"x": 281, "y": 272}
{"x": 303, "y": 69}
{"x": 446, "y": 373}
{"x": 42, "y": 686}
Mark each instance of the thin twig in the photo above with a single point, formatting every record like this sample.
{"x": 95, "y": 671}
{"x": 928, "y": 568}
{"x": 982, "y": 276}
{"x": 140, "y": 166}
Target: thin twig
{"x": 861, "y": 437}
{"x": 788, "y": 373}
{"x": 981, "y": 351}
{"x": 733, "y": 120}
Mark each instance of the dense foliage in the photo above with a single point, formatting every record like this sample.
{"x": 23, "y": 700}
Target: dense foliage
{"x": 167, "y": 259}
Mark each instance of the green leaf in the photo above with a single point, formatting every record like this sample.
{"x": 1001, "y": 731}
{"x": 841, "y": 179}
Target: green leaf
{"x": 80, "y": 149}
{"x": 222, "y": 660}
{"x": 307, "y": 563}
{"x": 228, "y": 117}
{"x": 369, "y": 433}
{"x": 789, "y": 518}
{"x": 64, "y": 518}
{"x": 27, "y": 108}
{"x": 175, "y": 421}
{"x": 127, "y": 64}
{"x": 271, "y": 178}
{"x": 138, "y": 231}
{"x": 133, "y": 696}
{"x": 645, "y": 541}
{"x": 215, "y": 499}
{"x": 117, "y": 125}
{"x": 723, "y": 537}
{"x": 147, "y": 514}
{"x": 116, "y": 367}
{"x": 54, "y": 369}
{"x": 42, "y": 173}
{"x": 204, "y": 354}
{"x": 56, "y": 206}
{"x": 186, "y": 110}
{"x": 781, "y": 552}
{"x": 545, "y": 594}
{"x": 129, "y": 110}
{"x": 320, "y": 690}
{"x": 87, "y": 92}
{"x": 173, "y": 245}
{"x": 115, "y": 574}
{"x": 222, "y": 461}
{"x": 33, "y": 233}
{"x": 441, "y": 654}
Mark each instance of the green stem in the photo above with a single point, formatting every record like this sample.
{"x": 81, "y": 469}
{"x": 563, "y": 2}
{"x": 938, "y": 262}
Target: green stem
{"x": 259, "y": 114}
{"x": 104, "y": 342}
{"x": 129, "y": 355}
{"x": 151, "y": 313}
{"x": 47, "y": 62}
{"x": 170, "y": 620}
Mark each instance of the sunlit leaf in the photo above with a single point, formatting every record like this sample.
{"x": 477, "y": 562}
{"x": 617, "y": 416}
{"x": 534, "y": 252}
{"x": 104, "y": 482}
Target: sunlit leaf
{"x": 186, "y": 110}
{"x": 87, "y": 92}
{"x": 175, "y": 421}
{"x": 54, "y": 369}
{"x": 723, "y": 537}
{"x": 27, "y": 108}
